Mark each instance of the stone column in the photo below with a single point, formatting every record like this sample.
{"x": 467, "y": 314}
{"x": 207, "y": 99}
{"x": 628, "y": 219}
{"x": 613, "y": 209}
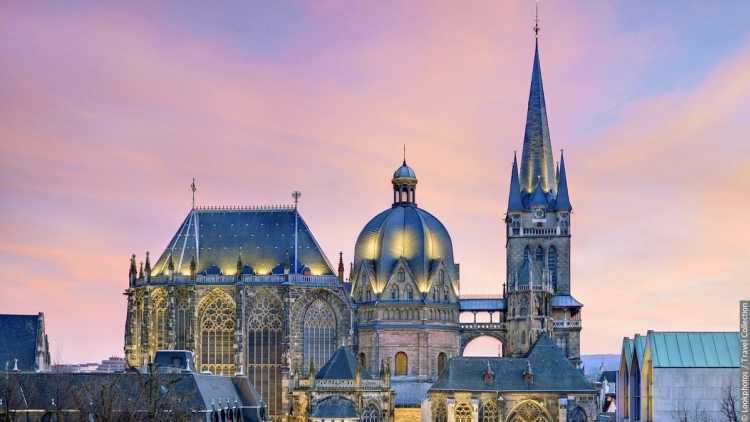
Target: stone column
{"x": 172, "y": 317}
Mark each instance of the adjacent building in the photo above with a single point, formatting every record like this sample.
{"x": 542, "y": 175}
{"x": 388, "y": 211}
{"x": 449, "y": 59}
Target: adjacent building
{"x": 23, "y": 343}
{"x": 671, "y": 376}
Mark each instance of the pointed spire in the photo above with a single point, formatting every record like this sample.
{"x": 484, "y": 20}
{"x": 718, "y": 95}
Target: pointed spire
{"x": 514, "y": 195}
{"x": 140, "y": 271}
{"x": 147, "y": 268}
{"x": 536, "y": 159}
{"x": 133, "y": 271}
{"x": 341, "y": 266}
{"x": 563, "y": 199}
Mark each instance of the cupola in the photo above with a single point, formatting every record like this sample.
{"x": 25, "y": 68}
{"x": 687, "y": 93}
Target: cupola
{"x": 404, "y": 186}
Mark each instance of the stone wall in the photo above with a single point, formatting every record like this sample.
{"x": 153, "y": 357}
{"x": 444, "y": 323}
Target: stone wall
{"x": 696, "y": 392}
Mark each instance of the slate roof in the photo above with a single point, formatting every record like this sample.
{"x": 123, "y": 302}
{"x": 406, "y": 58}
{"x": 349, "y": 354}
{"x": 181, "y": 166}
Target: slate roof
{"x": 262, "y": 237}
{"x": 194, "y": 391}
{"x": 483, "y": 304}
{"x": 565, "y": 301}
{"x": 18, "y": 340}
{"x": 552, "y": 371}
{"x": 410, "y": 393}
{"x": 334, "y": 407}
{"x": 694, "y": 349}
{"x": 342, "y": 365}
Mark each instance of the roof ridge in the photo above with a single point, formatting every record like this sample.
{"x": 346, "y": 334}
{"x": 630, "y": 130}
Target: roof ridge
{"x": 267, "y": 207}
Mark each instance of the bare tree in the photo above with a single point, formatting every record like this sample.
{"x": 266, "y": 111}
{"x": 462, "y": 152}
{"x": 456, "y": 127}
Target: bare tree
{"x": 729, "y": 405}
{"x": 684, "y": 413}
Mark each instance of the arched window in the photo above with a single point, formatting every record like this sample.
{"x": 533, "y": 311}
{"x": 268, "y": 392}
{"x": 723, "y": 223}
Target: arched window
{"x": 410, "y": 293}
{"x": 442, "y": 360}
{"x": 159, "y": 319}
{"x": 524, "y": 310}
{"x": 442, "y": 276}
{"x": 319, "y": 333}
{"x": 184, "y": 321}
{"x": 552, "y": 265}
{"x": 371, "y": 414}
{"x": 528, "y": 411}
{"x": 216, "y": 327}
{"x": 402, "y": 364}
{"x": 488, "y": 411}
{"x": 362, "y": 358}
{"x": 401, "y": 275}
{"x": 539, "y": 255}
{"x": 577, "y": 414}
{"x": 439, "y": 412}
{"x": 264, "y": 349}
{"x": 463, "y": 412}
{"x": 394, "y": 293}
{"x": 526, "y": 253}
{"x": 445, "y": 294}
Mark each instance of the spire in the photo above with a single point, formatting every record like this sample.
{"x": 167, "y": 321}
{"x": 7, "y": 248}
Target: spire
{"x": 147, "y": 269}
{"x": 536, "y": 159}
{"x": 341, "y": 266}
{"x": 563, "y": 200}
{"x": 514, "y": 195}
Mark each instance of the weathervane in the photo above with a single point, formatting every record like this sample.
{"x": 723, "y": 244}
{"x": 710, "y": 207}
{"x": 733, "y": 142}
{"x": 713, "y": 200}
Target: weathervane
{"x": 193, "y": 188}
{"x": 536, "y": 21}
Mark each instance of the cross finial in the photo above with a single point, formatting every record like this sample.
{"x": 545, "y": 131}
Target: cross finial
{"x": 536, "y": 21}
{"x": 296, "y": 194}
{"x": 193, "y": 188}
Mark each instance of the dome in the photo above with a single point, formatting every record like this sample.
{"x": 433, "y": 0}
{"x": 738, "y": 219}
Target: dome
{"x": 404, "y": 172}
{"x": 406, "y": 232}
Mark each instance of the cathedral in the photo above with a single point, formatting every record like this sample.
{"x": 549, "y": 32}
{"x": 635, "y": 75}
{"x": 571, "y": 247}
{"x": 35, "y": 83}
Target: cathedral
{"x": 250, "y": 291}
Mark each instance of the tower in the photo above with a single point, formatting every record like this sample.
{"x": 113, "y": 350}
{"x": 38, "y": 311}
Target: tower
{"x": 538, "y": 234}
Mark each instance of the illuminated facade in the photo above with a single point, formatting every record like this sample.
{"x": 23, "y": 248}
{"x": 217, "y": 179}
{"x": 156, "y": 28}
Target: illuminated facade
{"x": 230, "y": 288}
{"x": 250, "y": 291}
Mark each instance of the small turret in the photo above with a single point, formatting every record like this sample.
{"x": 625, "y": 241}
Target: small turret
{"x": 514, "y": 195}
{"x": 563, "y": 199}
{"x": 140, "y": 271}
{"x": 311, "y": 374}
{"x": 341, "y": 266}
{"x": 147, "y": 269}
{"x": 133, "y": 271}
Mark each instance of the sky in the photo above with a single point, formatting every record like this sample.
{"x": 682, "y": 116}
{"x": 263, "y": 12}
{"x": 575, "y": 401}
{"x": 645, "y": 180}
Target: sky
{"x": 108, "y": 110}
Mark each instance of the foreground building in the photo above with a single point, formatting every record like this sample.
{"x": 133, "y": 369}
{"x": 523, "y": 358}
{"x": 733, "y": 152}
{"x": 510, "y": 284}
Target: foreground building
{"x": 542, "y": 386}
{"x": 23, "y": 343}
{"x": 250, "y": 291}
{"x": 675, "y": 376}
{"x": 128, "y": 396}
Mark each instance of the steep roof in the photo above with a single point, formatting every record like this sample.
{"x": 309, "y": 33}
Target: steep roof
{"x": 536, "y": 159}
{"x": 694, "y": 349}
{"x": 627, "y": 351}
{"x": 18, "y": 340}
{"x": 552, "y": 371}
{"x": 514, "y": 194}
{"x": 262, "y": 237}
{"x": 639, "y": 345}
{"x": 563, "y": 198}
{"x": 334, "y": 407}
{"x": 342, "y": 365}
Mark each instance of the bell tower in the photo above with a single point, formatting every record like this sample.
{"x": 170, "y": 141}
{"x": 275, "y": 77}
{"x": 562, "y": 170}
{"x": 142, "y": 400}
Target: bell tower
{"x": 538, "y": 232}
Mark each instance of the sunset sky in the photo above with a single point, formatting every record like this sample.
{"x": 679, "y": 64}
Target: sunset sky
{"x": 107, "y": 112}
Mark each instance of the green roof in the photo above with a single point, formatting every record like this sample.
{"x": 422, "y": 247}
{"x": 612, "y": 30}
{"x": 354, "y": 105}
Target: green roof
{"x": 639, "y": 344}
{"x": 694, "y": 349}
{"x": 627, "y": 351}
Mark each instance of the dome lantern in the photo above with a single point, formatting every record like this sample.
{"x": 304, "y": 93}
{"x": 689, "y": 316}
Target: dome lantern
{"x": 404, "y": 186}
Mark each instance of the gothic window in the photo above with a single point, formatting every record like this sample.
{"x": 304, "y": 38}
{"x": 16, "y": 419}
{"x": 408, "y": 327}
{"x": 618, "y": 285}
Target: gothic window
{"x": 488, "y": 412}
{"x": 439, "y": 412}
{"x": 159, "y": 320}
{"x": 402, "y": 364}
{"x": 526, "y": 253}
{"x": 552, "y": 265}
{"x": 524, "y": 306}
{"x": 442, "y": 277}
{"x": 264, "y": 349}
{"x": 410, "y": 293}
{"x": 319, "y": 333}
{"x": 528, "y": 411}
{"x": 362, "y": 359}
{"x": 184, "y": 321}
{"x": 401, "y": 275}
{"x": 442, "y": 360}
{"x": 539, "y": 255}
{"x": 445, "y": 294}
{"x": 394, "y": 293}
{"x": 371, "y": 414}
{"x": 463, "y": 412}
{"x": 577, "y": 414}
{"x": 216, "y": 326}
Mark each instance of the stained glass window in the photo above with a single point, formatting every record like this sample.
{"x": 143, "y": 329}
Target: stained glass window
{"x": 319, "y": 333}
{"x": 216, "y": 321}
{"x": 264, "y": 351}
{"x": 402, "y": 364}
